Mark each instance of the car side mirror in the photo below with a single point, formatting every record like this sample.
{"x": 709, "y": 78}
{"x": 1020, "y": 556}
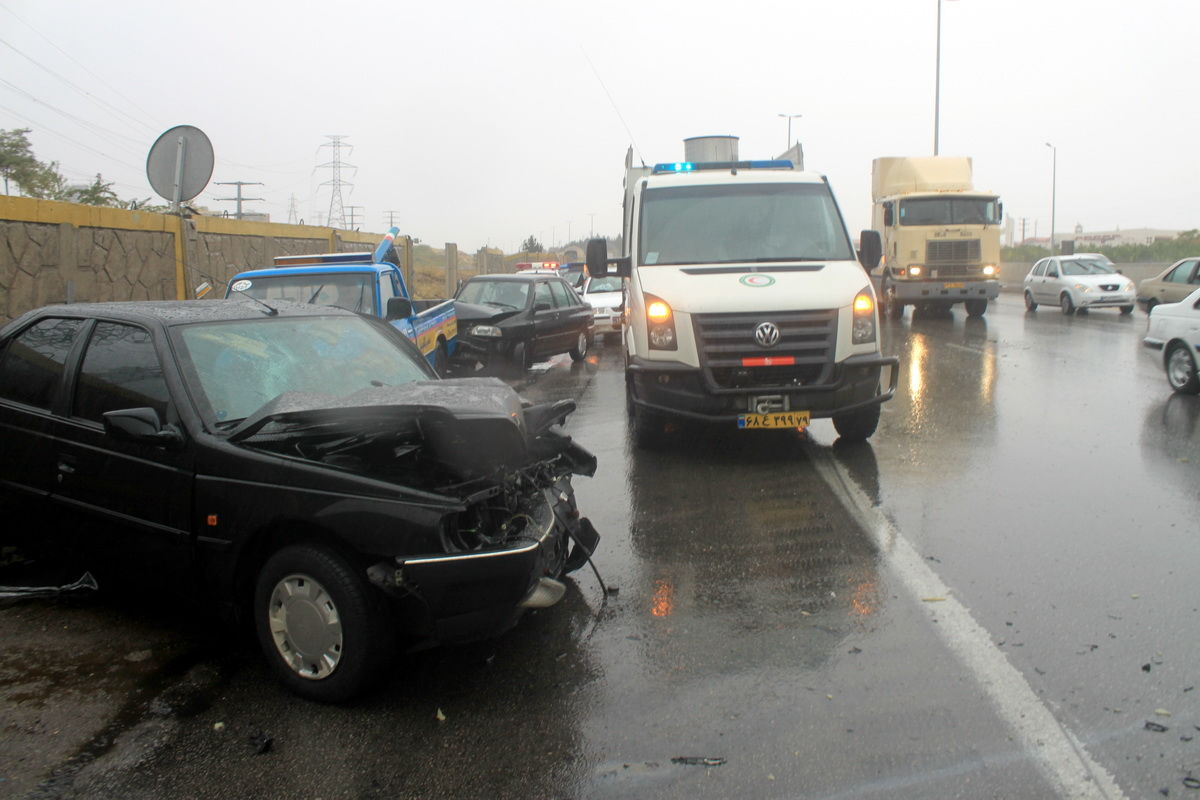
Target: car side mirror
{"x": 142, "y": 426}
{"x": 398, "y": 308}
{"x": 870, "y": 249}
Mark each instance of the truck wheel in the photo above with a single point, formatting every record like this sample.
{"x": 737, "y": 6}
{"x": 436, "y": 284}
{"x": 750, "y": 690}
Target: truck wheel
{"x": 441, "y": 359}
{"x": 325, "y": 635}
{"x": 857, "y": 426}
{"x": 580, "y": 350}
{"x": 976, "y": 308}
{"x": 892, "y": 308}
{"x": 1068, "y": 307}
{"x": 1030, "y": 303}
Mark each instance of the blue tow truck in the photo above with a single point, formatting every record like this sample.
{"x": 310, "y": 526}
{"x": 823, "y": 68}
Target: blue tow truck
{"x": 367, "y": 283}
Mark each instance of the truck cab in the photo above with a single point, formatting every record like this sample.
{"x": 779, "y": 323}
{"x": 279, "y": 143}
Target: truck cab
{"x": 745, "y": 302}
{"x": 365, "y": 283}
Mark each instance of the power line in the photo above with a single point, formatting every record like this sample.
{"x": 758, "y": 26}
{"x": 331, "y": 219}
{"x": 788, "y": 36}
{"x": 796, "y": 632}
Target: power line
{"x": 75, "y": 86}
{"x": 89, "y": 70}
{"x": 80, "y": 120}
{"x": 75, "y": 142}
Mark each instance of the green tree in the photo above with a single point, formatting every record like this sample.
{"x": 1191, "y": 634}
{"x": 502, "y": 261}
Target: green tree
{"x": 531, "y": 245}
{"x": 98, "y": 193}
{"x": 17, "y": 164}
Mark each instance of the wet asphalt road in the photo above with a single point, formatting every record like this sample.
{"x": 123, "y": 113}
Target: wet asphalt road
{"x": 991, "y": 599}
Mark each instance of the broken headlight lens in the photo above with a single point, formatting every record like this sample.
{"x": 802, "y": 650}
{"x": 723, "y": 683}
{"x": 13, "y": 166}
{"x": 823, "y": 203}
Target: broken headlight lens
{"x": 486, "y": 330}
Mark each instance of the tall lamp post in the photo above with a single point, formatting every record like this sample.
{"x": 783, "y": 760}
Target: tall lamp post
{"x": 937, "y": 78}
{"x": 1053, "y": 190}
{"x": 789, "y": 117}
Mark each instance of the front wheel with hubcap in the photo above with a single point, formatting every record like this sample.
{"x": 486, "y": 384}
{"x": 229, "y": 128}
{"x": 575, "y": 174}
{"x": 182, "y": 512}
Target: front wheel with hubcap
{"x": 323, "y": 632}
{"x": 857, "y": 426}
{"x": 1067, "y": 305}
{"x": 1181, "y": 370}
{"x": 1030, "y": 303}
{"x": 580, "y": 350}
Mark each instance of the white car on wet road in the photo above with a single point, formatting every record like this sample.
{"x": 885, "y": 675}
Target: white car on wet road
{"x": 604, "y": 295}
{"x": 1078, "y": 283}
{"x": 1175, "y": 330}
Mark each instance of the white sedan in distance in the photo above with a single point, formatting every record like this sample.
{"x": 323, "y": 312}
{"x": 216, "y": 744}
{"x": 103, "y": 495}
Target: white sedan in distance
{"x": 1077, "y": 283}
{"x": 605, "y": 296}
{"x": 1175, "y": 330}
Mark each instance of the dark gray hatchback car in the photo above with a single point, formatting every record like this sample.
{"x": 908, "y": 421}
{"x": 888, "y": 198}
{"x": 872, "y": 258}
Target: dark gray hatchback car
{"x": 300, "y": 465}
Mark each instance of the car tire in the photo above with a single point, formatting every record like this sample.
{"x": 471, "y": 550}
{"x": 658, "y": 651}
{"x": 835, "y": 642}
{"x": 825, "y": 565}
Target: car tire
{"x": 520, "y": 356}
{"x": 580, "y": 350}
{"x": 1126, "y": 311}
{"x": 1150, "y": 304}
{"x": 1030, "y": 303}
{"x": 1181, "y": 369}
{"x": 857, "y": 426}
{"x": 976, "y": 308}
{"x": 1066, "y": 304}
{"x": 325, "y": 632}
{"x": 441, "y": 359}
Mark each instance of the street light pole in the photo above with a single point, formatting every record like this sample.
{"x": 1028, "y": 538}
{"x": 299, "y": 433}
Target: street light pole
{"x": 937, "y": 80}
{"x": 1053, "y": 190}
{"x": 789, "y": 118}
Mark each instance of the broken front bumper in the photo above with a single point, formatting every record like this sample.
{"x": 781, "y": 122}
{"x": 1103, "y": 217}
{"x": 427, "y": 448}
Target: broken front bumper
{"x": 482, "y": 593}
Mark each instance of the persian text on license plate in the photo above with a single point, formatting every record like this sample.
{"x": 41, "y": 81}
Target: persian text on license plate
{"x": 952, "y": 286}
{"x": 781, "y": 419}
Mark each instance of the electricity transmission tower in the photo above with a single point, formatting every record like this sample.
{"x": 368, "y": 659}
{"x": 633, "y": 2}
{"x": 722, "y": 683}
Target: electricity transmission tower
{"x": 239, "y": 198}
{"x": 337, "y": 211}
{"x": 391, "y": 215}
{"x": 293, "y": 212}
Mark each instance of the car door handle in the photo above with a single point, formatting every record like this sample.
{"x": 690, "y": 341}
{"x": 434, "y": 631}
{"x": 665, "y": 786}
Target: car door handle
{"x": 66, "y": 467}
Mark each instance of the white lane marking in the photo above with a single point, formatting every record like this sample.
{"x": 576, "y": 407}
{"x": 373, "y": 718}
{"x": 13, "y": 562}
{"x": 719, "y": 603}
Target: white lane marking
{"x": 966, "y": 347}
{"x": 1057, "y": 752}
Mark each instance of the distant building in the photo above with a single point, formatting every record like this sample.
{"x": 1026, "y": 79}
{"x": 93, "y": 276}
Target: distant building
{"x": 1091, "y": 239}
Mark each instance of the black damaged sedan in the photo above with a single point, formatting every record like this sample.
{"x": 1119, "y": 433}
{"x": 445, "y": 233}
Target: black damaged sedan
{"x": 299, "y": 464}
{"x": 520, "y": 319}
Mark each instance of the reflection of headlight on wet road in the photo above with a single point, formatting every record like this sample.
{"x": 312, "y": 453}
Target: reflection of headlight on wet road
{"x": 663, "y": 602}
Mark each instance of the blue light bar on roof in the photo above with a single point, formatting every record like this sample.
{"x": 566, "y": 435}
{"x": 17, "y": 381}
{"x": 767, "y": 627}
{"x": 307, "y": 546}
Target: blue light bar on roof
{"x": 324, "y": 258}
{"x": 693, "y": 166}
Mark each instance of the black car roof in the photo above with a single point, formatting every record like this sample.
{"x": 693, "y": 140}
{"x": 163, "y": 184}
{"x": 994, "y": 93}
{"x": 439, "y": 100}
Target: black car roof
{"x": 180, "y": 312}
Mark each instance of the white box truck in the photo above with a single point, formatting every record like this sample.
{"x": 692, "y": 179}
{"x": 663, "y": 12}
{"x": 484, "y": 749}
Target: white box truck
{"x": 941, "y": 237}
{"x": 744, "y": 302}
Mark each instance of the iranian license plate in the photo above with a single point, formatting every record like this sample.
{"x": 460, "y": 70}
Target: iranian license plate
{"x": 952, "y": 286}
{"x": 780, "y": 419}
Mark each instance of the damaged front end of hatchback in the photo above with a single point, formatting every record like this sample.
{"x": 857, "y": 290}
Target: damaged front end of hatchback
{"x": 494, "y": 525}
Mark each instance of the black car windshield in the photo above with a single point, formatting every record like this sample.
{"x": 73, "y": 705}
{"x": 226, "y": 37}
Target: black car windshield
{"x": 746, "y": 223}
{"x": 1085, "y": 266}
{"x": 237, "y": 367}
{"x": 510, "y": 295}
{"x": 353, "y": 291}
{"x": 950, "y": 211}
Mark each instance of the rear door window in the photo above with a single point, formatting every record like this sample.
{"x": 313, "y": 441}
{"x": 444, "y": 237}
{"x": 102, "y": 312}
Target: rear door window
{"x": 32, "y": 366}
{"x": 562, "y": 297}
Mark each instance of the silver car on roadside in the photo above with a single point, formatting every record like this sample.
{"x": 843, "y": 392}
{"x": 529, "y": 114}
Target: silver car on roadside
{"x": 1078, "y": 283}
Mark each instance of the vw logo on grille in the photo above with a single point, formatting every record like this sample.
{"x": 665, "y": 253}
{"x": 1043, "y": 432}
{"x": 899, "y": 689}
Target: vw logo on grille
{"x": 766, "y": 334}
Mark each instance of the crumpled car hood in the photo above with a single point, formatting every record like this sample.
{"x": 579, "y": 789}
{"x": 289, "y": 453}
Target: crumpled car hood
{"x": 473, "y": 312}
{"x": 471, "y": 425}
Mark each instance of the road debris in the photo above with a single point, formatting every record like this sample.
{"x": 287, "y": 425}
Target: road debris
{"x": 440, "y": 716}
{"x": 1162, "y": 712}
{"x": 1154, "y": 726}
{"x": 699, "y": 761}
{"x": 86, "y": 583}
{"x": 261, "y": 742}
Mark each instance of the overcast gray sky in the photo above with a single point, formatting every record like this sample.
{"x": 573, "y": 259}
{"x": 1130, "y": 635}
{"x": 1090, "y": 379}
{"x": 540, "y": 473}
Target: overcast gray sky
{"x": 483, "y": 122}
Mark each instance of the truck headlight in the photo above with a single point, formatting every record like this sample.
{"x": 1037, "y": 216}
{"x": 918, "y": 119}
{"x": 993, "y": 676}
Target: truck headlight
{"x": 989, "y": 270}
{"x": 914, "y": 271}
{"x": 863, "y": 330}
{"x": 486, "y": 330}
{"x": 660, "y": 324}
